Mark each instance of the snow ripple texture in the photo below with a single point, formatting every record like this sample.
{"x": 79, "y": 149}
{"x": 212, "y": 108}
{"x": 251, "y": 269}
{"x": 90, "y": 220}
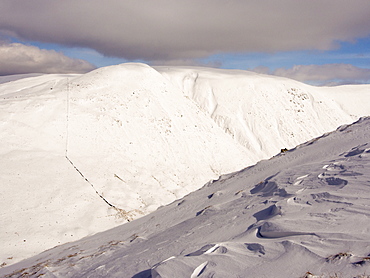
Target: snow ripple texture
{"x": 144, "y": 137}
{"x": 302, "y": 213}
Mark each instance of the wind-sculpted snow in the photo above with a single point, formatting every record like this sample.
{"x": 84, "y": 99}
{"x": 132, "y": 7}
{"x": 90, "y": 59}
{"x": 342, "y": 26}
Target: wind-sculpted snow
{"x": 84, "y": 153}
{"x": 317, "y": 229}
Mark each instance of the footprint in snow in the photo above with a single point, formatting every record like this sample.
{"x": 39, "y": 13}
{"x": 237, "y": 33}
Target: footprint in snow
{"x": 336, "y": 181}
{"x": 256, "y": 248}
{"x": 357, "y": 151}
{"x": 269, "y": 189}
{"x": 332, "y": 171}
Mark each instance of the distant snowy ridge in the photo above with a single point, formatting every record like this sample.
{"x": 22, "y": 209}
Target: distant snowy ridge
{"x": 84, "y": 153}
{"x": 266, "y": 113}
{"x": 302, "y": 213}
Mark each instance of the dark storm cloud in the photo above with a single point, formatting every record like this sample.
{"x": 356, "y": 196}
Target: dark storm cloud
{"x": 170, "y": 30}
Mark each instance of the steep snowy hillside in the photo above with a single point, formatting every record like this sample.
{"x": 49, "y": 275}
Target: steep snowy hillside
{"x": 140, "y": 141}
{"x": 265, "y": 113}
{"x": 302, "y": 213}
{"x": 84, "y": 153}
{"x": 81, "y": 154}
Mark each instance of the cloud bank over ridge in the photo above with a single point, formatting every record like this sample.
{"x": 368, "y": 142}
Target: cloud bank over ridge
{"x": 17, "y": 58}
{"x": 287, "y": 38}
{"x": 327, "y": 74}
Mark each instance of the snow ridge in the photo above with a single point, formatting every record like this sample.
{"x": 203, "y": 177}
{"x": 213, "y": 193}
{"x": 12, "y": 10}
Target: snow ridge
{"x": 143, "y": 137}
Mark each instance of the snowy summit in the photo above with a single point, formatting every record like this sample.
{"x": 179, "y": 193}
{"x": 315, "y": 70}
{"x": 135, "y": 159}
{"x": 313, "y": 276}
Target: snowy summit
{"x": 81, "y": 154}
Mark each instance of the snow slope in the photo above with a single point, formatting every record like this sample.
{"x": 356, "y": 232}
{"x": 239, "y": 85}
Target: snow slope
{"x": 266, "y": 113}
{"x": 14, "y": 77}
{"x": 84, "y": 153}
{"x": 136, "y": 140}
{"x": 302, "y": 213}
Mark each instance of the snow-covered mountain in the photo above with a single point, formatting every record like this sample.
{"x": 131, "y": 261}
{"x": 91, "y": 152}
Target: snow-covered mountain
{"x": 84, "y": 153}
{"x": 264, "y": 113}
{"x": 302, "y": 213}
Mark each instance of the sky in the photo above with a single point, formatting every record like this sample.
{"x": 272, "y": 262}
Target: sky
{"x": 321, "y": 42}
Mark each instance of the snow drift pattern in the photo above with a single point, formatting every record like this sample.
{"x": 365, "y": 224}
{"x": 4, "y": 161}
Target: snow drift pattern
{"x": 140, "y": 138}
{"x": 317, "y": 229}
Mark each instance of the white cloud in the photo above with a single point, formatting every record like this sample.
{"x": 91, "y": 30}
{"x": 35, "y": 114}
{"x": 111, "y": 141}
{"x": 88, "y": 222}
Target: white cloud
{"x": 262, "y": 69}
{"x": 17, "y": 58}
{"x": 326, "y": 74}
{"x": 167, "y": 29}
